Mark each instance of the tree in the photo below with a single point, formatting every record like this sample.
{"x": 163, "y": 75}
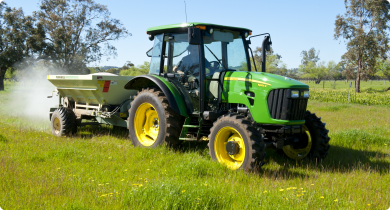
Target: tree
{"x": 135, "y": 71}
{"x": 113, "y": 71}
{"x": 274, "y": 64}
{"x": 364, "y": 25}
{"x": 78, "y": 32}
{"x": 127, "y": 65}
{"x": 319, "y": 71}
{"x": 310, "y": 56}
{"x": 383, "y": 69}
{"x": 19, "y": 39}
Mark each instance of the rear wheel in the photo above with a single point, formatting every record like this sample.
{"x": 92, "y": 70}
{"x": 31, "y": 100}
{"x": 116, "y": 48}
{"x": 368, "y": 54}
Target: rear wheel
{"x": 235, "y": 142}
{"x": 314, "y": 143}
{"x": 63, "y": 122}
{"x": 152, "y": 121}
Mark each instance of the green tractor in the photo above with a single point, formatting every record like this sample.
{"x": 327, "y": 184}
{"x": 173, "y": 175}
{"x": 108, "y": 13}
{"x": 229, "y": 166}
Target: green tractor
{"x": 202, "y": 87}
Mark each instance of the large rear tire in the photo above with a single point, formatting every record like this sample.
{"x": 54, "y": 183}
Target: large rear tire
{"x": 315, "y": 140}
{"x": 63, "y": 122}
{"x": 235, "y": 142}
{"x": 151, "y": 120}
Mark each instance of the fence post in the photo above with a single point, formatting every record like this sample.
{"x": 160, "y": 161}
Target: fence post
{"x": 349, "y": 91}
{"x": 355, "y": 91}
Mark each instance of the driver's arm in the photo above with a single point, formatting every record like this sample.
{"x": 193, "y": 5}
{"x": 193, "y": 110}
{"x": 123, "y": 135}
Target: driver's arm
{"x": 178, "y": 68}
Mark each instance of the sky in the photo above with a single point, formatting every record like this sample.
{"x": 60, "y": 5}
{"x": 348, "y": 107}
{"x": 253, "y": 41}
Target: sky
{"x": 294, "y": 25}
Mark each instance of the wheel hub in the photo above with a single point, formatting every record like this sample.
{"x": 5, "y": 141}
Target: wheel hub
{"x": 232, "y": 147}
{"x": 146, "y": 124}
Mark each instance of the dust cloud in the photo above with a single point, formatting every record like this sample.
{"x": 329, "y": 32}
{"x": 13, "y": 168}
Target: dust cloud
{"x": 28, "y": 98}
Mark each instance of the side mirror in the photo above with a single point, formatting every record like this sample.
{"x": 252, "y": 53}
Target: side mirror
{"x": 194, "y": 36}
{"x": 268, "y": 47}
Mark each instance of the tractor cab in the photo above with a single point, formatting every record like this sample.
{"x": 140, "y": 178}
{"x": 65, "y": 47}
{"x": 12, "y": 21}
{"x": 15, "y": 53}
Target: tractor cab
{"x": 194, "y": 56}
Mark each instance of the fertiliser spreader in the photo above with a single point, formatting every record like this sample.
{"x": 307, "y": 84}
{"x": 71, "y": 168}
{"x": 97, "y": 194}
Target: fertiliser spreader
{"x": 201, "y": 86}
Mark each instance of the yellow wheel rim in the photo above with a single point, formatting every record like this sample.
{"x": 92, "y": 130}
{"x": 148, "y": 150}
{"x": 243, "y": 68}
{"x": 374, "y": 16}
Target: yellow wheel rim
{"x": 57, "y": 125}
{"x": 223, "y": 136}
{"x": 146, "y": 124}
{"x": 298, "y": 154}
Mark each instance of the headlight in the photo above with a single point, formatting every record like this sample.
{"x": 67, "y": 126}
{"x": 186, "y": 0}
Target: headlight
{"x": 246, "y": 34}
{"x": 211, "y": 30}
{"x": 295, "y": 94}
{"x": 306, "y": 94}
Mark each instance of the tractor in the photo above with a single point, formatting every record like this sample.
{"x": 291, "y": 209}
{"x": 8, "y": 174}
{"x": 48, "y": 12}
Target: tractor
{"x": 203, "y": 85}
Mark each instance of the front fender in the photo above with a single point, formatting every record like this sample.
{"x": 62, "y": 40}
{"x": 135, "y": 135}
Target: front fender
{"x": 174, "y": 99}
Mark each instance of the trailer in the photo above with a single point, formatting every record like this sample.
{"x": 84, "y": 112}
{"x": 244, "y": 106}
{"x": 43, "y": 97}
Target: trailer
{"x": 99, "y": 98}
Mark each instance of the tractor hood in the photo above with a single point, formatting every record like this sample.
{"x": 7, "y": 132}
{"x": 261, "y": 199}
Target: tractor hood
{"x": 252, "y": 89}
{"x": 264, "y": 80}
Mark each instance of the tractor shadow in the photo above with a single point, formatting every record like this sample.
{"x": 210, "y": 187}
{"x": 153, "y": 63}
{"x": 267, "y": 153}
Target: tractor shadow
{"x": 89, "y": 131}
{"x": 339, "y": 159}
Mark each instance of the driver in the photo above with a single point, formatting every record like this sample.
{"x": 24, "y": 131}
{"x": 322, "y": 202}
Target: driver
{"x": 189, "y": 64}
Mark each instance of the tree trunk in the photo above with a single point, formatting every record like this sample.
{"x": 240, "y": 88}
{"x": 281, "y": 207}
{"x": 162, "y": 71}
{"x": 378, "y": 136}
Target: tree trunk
{"x": 357, "y": 86}
{"x": 2, "y": 75}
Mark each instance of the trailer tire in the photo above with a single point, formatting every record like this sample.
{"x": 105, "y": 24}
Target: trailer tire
{"x": 244, "y": 137}
{"x": 318, "y": 140}
{"x": 152, "y": 121}
{"x": 63, "y": 122}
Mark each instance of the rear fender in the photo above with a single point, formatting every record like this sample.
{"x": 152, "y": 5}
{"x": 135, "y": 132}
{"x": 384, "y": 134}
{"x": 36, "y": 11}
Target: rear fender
{"x": 174, "y": 99}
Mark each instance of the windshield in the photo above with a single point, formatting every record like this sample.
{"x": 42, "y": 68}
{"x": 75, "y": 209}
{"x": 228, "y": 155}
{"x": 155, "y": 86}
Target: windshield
{"x": 225, "y": 50}
{"x": 155, "y": 53}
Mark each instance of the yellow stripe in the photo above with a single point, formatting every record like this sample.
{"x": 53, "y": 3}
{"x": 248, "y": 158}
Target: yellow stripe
{"x": 246, "y": 80}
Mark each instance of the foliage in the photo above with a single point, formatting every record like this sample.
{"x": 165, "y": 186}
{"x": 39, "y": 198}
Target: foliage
{"x": 383, "y": 68}
{"x": 78, "y": 32}
{"x": 113, "y": 71}
{"x": 19, "y": 38}
{"x": 274, "y": 64}
{"x": 127, "y": 65}
{"x": 10, "y": 74}
{"x": 135, "y": 71}
{"x": 365, "y": 26}
{"x": 319, "y": 71}
{"x": 310, "y": 56}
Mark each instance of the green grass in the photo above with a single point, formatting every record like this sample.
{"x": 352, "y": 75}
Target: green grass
{"x": 100, "y": 169}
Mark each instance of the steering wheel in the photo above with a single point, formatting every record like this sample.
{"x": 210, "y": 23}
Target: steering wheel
{"x": 214, "y": 65}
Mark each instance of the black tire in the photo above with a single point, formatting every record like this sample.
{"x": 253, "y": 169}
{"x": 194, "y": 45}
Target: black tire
{"x": 319, "y": 140}
{"x": 251, "y": 136}
{"x": 169, "y": 122}
{"x": 63, "y": 122}
{"x": 319, "y": 135}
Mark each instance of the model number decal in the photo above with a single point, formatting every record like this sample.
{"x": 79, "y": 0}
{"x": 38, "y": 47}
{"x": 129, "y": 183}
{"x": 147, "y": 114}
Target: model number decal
{"x": 260, "y": 83}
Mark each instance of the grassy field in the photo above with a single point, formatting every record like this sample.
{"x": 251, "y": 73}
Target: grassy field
{"x": 100, "y": 169}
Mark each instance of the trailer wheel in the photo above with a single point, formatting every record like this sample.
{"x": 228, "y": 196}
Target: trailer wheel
{"x": 235, "y": 142}
{"x": 63, "y": 122}
{"x": 152, "y": 121}
{"x": 314, "y": 143}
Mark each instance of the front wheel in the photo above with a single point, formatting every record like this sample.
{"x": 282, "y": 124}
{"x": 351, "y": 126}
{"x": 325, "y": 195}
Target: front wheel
{"x": 152, "y": 121}
{"x": 314, "y": 143}
{"x": 235, "y": 142}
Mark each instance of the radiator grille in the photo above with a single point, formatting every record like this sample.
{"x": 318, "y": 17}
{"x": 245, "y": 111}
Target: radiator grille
{"x": 281, "y": 106}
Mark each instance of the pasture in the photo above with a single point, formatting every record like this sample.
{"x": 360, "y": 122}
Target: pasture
{"x": 99, "y": 168}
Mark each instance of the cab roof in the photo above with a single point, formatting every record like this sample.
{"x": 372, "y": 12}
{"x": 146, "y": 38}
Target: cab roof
{"x": 182, "y": 27}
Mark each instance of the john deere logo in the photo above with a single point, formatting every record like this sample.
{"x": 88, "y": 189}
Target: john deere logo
{"x": 302, "y": 94}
